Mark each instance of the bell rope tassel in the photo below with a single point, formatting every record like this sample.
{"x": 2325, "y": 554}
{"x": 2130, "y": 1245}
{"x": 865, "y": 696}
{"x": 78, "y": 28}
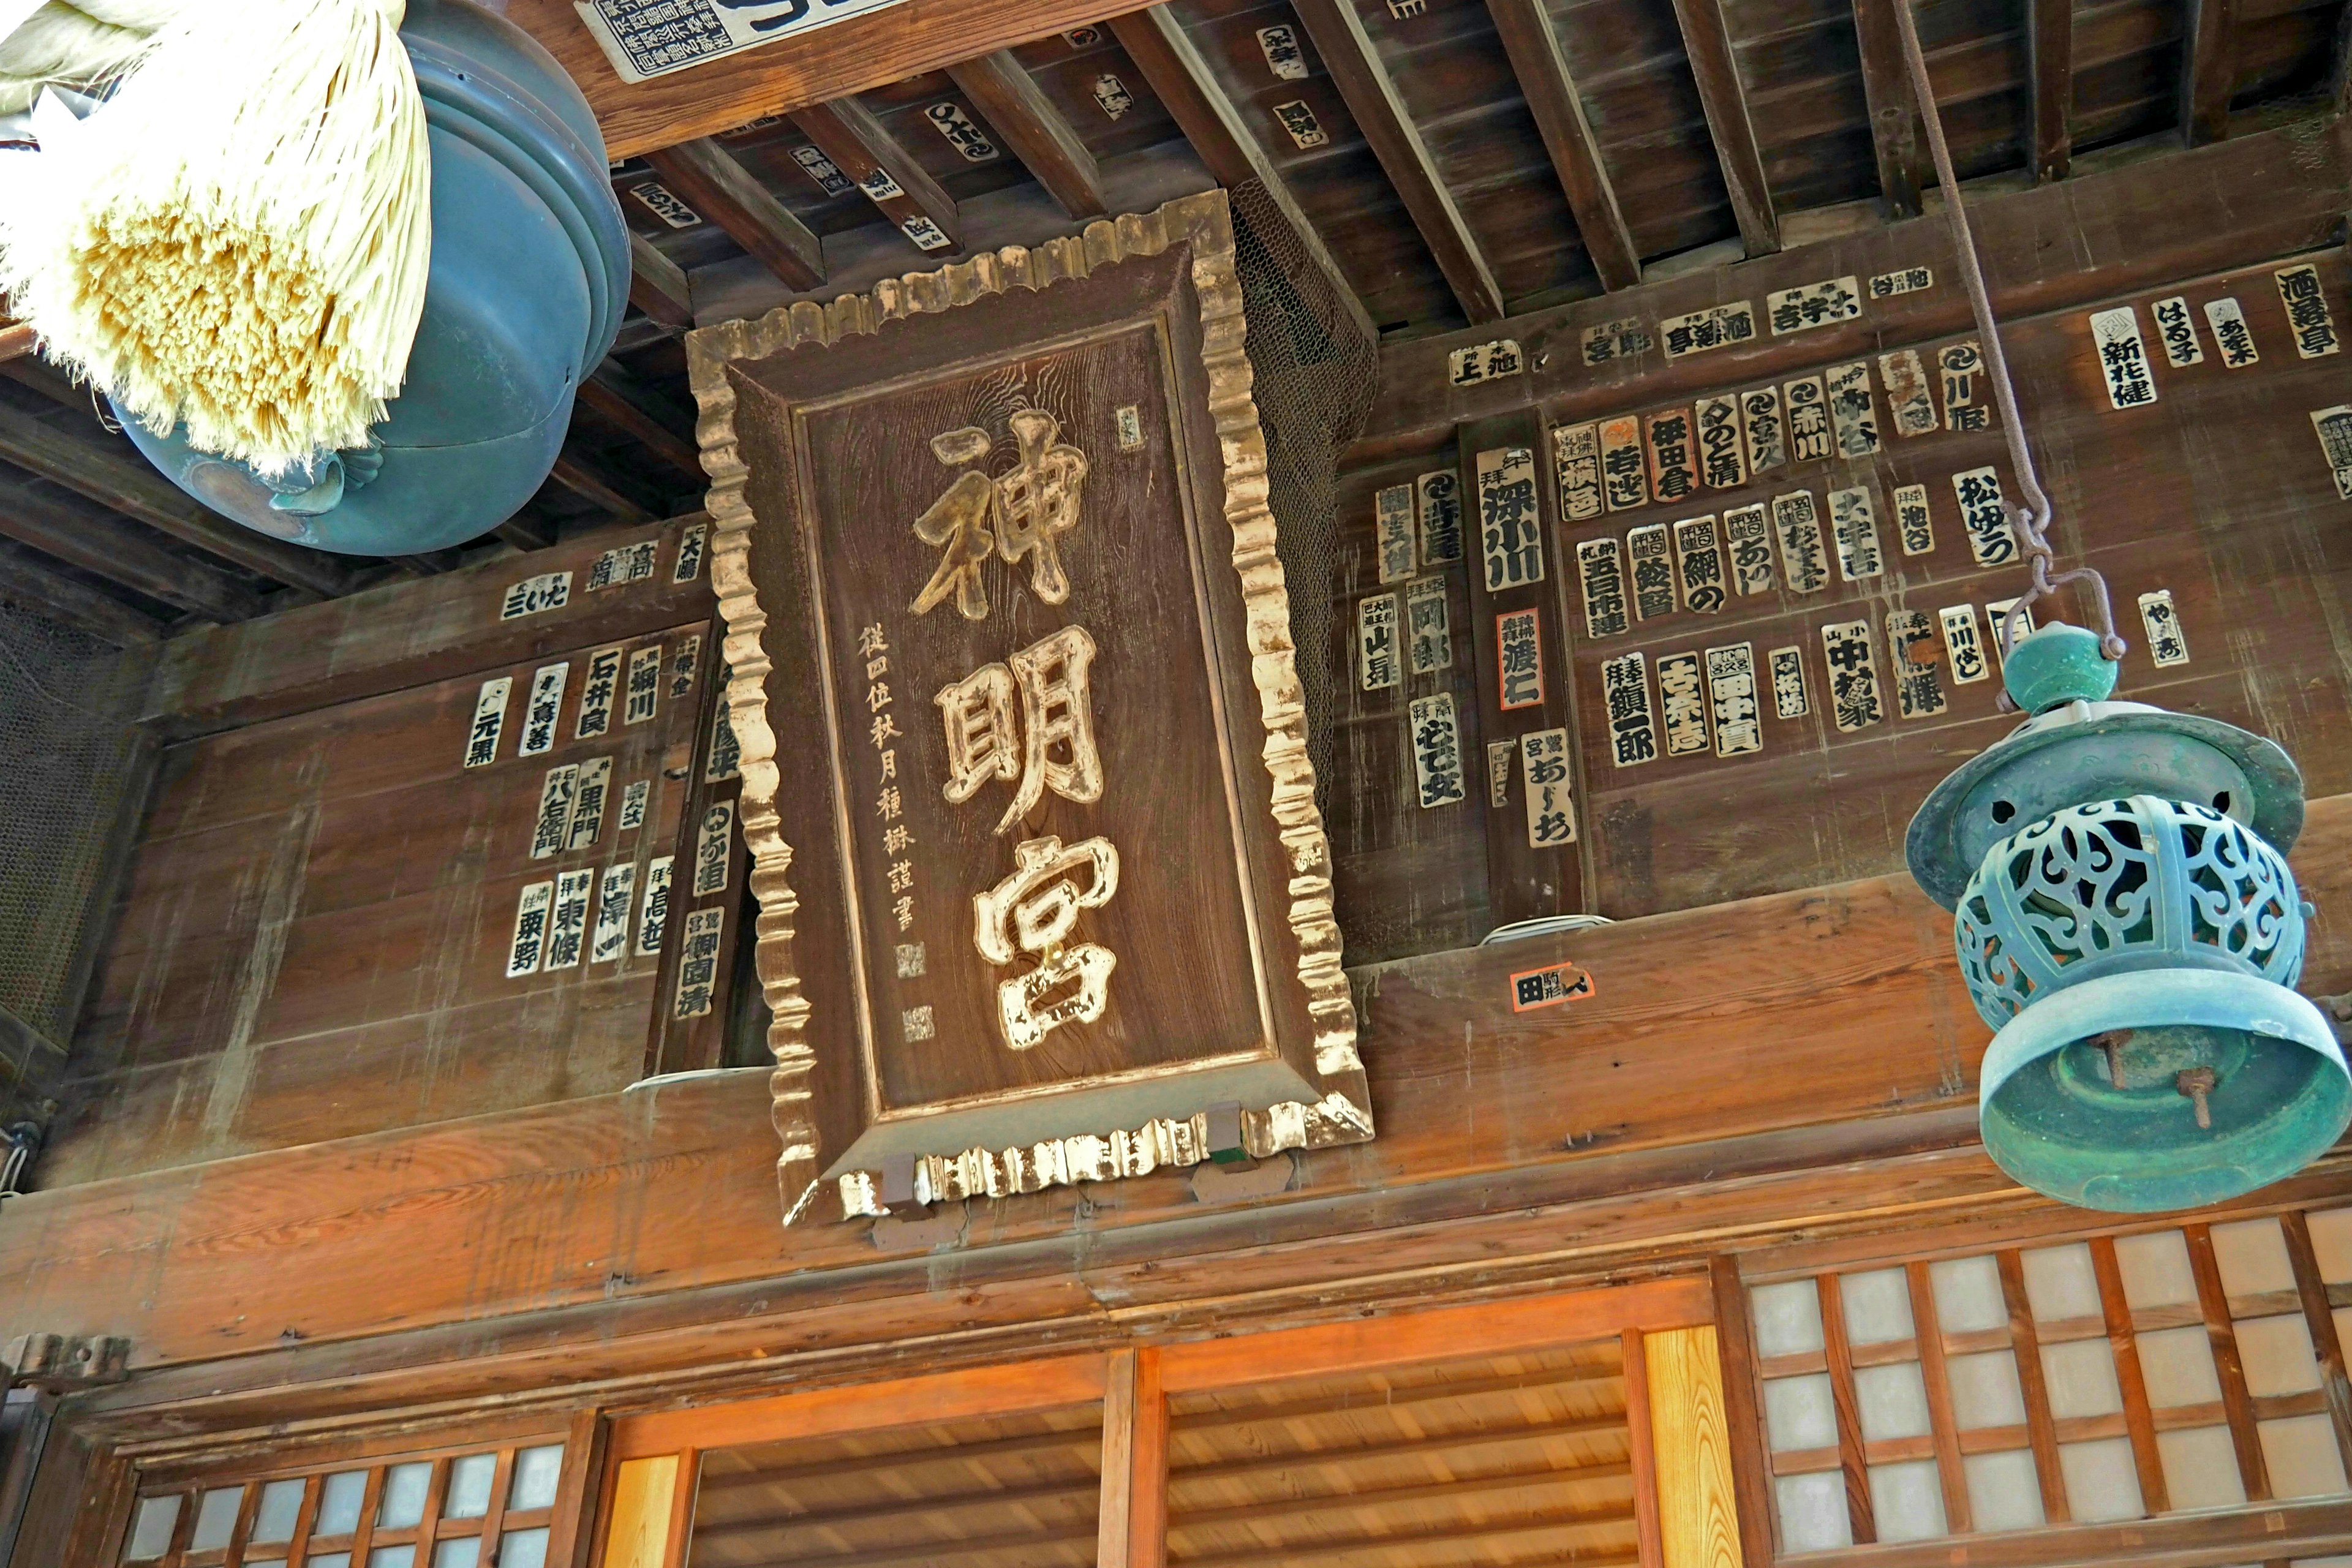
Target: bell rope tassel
{"x": 238, "y": 239}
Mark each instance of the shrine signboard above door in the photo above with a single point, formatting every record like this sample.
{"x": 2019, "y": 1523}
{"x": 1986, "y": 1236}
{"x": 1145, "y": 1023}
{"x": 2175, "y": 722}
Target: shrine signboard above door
{"x": 1045, "y": 894}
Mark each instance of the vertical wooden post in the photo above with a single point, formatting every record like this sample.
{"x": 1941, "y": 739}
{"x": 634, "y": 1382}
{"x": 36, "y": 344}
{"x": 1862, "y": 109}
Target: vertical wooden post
{"x": 1927, "y": 1328}
{"x": 2236, "y": 1403}
{"x": 2139, "y": 1421}
{"x": 1134, "y": 1518}
{"x": 1743, "y": 1409}
{"x": 1838, "y": 1352}
{"x": 2025, "y": 1349}
{"x": 570, "y": 1534}
{"x": 1522, "y": 881}
{"x": 1691, "y": 1442}
{"x": 1641, "y": 1451}
{"x": 638, "y": 1524}
{"x": 2321, "y": 1316}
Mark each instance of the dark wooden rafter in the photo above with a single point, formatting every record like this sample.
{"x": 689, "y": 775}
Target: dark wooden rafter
{"x": 1181, "y": 77}
{"x": 1533, "y": 45}
{"x": 1371, "y": 97}
{"x": 861, "y": 147}
{"x": 29, "y": 580}
{"x": 122, "y": 482}
{"x": 706, "y": 177}
{"x": 1707, "y": 39}
{"x": 624, "y": 407}
{"x": 2208, "y": 69}
{"x": 119, "y": 551}
{"x": 1039, "y": 134}
{"x": 1895, "y": 134}
{"x": 584, "y": 477}
{"x": 657, "y": 286}
{"x": 2050, "y": 75}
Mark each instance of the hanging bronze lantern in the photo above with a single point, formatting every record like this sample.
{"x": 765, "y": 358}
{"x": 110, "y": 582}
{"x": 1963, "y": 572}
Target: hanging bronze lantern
{"x": 2126, "y": 920}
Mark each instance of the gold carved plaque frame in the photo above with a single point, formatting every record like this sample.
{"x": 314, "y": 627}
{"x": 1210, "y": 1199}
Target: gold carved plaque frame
{"x": 1342, "y": 1111}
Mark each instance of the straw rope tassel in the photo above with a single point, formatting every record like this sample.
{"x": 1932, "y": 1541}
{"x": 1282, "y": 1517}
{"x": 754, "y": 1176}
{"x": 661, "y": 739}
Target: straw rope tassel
{"x": 239, "y": 239}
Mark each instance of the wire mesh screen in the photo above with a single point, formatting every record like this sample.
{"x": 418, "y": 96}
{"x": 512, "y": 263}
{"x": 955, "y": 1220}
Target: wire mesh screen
{"x": 65, "y": 750}
{"x": 1316, "y": 373}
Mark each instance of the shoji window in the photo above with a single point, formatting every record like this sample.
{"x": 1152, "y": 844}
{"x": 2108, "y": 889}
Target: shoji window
{"x": 2118, "y": 1378}
{"x": 479, "y": 1506}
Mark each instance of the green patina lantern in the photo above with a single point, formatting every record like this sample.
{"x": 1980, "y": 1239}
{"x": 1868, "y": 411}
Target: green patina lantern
{"x": 2126, "y": 920}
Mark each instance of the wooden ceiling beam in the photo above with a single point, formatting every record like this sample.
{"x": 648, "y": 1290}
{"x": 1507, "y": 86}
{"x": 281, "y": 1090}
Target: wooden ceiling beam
{"x": 861, "y": 146}
{"x": 122, "y": 482}
{"x": 120, "y": 550}
{"x": 2049, "y": 66}
{"x": 1181, "y": 77}
{"x": 1039, "y": 134}
{"x": 581, "y": 475}
{"x": 604, "y": 395}
{"x": 2207, "y": 70}
{"x": 1533, "y": 45}
{"x": 657, "y": 286}
{"x": 1380, "y": 113}
{"x": 1894, "y": 107}
{"x": 1707, "y": 39}
{"x": 29, "y": 580}
{"x": 706, "y": 177}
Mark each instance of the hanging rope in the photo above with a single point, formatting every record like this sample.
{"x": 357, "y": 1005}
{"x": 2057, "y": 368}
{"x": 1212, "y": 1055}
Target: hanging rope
{"x": 2032, "y": 518}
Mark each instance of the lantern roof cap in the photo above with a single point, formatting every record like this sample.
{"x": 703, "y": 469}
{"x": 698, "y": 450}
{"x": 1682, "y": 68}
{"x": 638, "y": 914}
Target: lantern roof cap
{"x": 2082, "y": 751}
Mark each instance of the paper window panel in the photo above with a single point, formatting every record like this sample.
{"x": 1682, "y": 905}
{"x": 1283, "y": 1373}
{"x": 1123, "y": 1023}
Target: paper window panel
{"x": 2177, "y": 1364}
{"x": 1892, "y": 1402}
{"x": 2155, "y": 1269}
{"x": 2277, "y": 1355}
{"x": 2301, "y": 1454}
{"x": 2004, "y": 1493}
{"x": 2081, "y": 1377}
{"x": 2253, "y": 1258}
{"x": 1968, "y": 1295}
{"x": 1877, "y": 1307}
{"x": 2331, "y": 1242}
{"x": 1812, "y": 1512}
{"x": 1788, "y": 1317}
{"x": 2061, "y": 1284}
{"x": 1985, "y": 1391}
{"x": 2200, "y": 1468}
{"x": 2102, "y": 1481}
{"x": 1907, "y": 1501}
{"x": 1799, "y": 1414}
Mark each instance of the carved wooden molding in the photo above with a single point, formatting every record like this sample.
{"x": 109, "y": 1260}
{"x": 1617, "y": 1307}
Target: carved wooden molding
{"x": 1343, "y": 1115}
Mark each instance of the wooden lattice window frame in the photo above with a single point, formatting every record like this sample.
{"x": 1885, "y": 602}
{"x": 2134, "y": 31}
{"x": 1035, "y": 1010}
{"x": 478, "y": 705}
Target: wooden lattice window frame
{"x": 2265, "y": 1528}
{"x": 190, "y": 1478}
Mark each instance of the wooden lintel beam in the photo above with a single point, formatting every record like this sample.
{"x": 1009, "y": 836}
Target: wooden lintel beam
{"x": 1039, "y": 134}
{"x": 2050, "y": 60}
{"x": 28, "y": 580}
{"x": 1707, "y": 39}
{"x": 602, "y": 396}
{"x": 1533, "y": 46}
{"x": 657, "y": 286}
{"x": 1894, "y": 137}
{"x": 1181, "y": 77}
{"x": 1380, "y": 113}
{"x": 122, "y": 482}
{"x": 583, "y": 479}
{"x": 120, "y": 550}
{"x": 2208, "y": 69}
{"x": 706, "y": 177}
{"x": 862, "y": 147}
{"x": 856, "y": 55}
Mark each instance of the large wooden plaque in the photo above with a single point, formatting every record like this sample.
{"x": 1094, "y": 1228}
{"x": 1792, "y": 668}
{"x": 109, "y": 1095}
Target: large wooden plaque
{"x": 1044, "y": 896}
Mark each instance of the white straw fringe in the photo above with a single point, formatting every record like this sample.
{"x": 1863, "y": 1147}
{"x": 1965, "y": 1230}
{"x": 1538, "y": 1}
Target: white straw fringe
{"x": 239, "y": 239}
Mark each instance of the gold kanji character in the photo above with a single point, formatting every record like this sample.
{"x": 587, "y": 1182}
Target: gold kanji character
{"x": 1053, "y": 747}
{"x": 1035, "y": 911}
{"x": 958, "y": 522}
{"x": 1037, "y": 501}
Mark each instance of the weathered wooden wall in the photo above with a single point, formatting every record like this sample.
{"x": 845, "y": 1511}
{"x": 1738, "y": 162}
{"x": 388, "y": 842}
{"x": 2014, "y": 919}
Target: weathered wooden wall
{"x": 2218, "y": 491}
